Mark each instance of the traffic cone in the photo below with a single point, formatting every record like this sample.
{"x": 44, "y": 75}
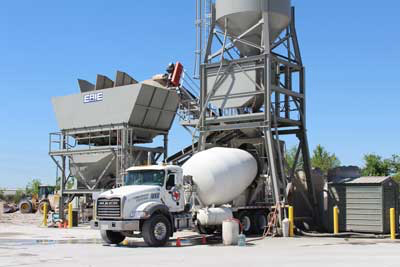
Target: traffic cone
{"x": 178, "y": 242}
{"x": 203, "y": 240}
{"x": 65, "y": 224}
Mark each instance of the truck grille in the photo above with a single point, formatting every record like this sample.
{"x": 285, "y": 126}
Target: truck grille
{"x": 109, "y": 208}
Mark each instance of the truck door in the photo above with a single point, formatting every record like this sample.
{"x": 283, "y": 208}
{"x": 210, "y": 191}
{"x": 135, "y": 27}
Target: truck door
{"x": 174, "y": 197}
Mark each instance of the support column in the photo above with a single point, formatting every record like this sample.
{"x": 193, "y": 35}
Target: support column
{"x": 62, "y": 180}
{"x": 203, "y": 109}
{"x": 305, "y": 150}
{"x": 165, "y": 147}
{"x": 268, "y": 137}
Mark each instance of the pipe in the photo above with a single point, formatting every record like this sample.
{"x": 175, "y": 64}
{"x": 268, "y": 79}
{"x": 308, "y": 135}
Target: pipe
{"x": 344, "y": 234}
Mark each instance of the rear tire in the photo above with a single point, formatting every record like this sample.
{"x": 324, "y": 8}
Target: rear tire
{"x": 247, "y": 221}
{"x": 111, "y": 237}
{"x": 260, "y": 222}
{"x": 25, "y": 207}
{"x": 156, "y": 231}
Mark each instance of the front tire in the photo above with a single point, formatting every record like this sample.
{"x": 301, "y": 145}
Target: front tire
{"x": 41, "y": 206}
{"x": 111, "y": 237}
{"x": 156, "y": 231}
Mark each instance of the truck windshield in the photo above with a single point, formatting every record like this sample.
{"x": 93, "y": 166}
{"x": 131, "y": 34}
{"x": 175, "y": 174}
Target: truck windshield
{"x": 145, "y": 177}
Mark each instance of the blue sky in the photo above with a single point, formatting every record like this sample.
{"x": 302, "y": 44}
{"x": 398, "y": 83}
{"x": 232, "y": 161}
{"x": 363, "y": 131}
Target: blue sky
{"x": 350, "y": 49}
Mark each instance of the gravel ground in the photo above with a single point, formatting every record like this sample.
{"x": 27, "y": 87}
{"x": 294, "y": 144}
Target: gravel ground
{"x": 21, "y": 219}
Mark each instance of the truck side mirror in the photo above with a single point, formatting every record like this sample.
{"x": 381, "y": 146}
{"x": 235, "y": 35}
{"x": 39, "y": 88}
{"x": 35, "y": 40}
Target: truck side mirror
{"x": 170, "y": 182}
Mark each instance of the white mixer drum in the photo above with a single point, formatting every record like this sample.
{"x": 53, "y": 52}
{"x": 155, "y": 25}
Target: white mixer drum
{"x": 221, "y": 174}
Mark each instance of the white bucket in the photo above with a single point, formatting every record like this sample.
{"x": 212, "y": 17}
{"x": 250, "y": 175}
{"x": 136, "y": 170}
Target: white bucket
{"x": 285, "y": 227}
{"x": 230, "y": 232}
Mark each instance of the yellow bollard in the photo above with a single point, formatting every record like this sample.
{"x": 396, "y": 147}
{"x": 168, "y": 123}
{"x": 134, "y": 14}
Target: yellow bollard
{"x": 45, "y": 211}
{"x": 94, "y": 210}
{"x": 336, "y": 220}
{"x": 291, "y": 220}
{"x": 393, "y": 224}
{"x": 70, "y": 215}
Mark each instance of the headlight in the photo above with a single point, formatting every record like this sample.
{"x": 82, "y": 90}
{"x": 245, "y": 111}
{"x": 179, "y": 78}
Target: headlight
{"x": 139, "y": 215}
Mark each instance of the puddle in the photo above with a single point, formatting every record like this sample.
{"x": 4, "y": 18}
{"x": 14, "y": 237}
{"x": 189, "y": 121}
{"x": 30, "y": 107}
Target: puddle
{"x": 185, "y": 242}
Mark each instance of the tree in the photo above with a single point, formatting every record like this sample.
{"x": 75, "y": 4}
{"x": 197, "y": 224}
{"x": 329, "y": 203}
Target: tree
{"x": 19, "y": 195}
{"x": 291, "y": 156}
{"x": 58, "y": 182}
{"x": 374, "y": 165}
{"x": 395, "y": 167}
{"x": 70, "y": 184}
{"x": 324, "y": 160}
{"x": 33, "y": 187}
{"x": 1, "y": 194}
{"x": 395, "y": 163}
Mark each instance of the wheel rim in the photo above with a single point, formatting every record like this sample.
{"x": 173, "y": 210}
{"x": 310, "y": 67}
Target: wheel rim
{"x": 24, "y": 207}
{"x": 246, "y": 223}
{"x": 160, "y": 231}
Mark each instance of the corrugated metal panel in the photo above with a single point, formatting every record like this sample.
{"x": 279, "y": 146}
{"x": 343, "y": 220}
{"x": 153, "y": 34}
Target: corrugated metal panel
{"x": 136, "y": 105}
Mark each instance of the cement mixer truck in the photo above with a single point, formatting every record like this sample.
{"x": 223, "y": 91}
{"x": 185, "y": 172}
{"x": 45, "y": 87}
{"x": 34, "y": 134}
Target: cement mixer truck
{"x": 156, "y": 201}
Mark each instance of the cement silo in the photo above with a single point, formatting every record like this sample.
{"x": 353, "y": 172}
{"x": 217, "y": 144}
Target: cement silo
{"x": 240, "y": 16}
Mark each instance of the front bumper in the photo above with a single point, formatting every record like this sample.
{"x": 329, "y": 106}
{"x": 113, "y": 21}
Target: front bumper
{"x": 116, "y": 225}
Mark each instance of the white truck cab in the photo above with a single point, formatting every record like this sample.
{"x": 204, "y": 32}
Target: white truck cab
{"x": 150, "y": 203}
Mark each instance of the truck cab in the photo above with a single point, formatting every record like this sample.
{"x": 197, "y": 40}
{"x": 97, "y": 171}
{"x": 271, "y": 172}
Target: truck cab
{"x": 151, "y": 204}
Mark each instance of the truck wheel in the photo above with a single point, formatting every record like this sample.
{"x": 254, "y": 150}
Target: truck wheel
{"x": 111, "y": 237}
{"x": 260, "y": 222}
{"x": 247, "y": 221}
{"x": 41, "y": 206}
{"x": 156, "y": 231}
{"x": 25, "y": 206}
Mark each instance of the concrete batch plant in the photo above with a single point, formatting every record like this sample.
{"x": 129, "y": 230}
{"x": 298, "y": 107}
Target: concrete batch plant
{"x": 251, "y": 96}
{"x": 102, "y": 129}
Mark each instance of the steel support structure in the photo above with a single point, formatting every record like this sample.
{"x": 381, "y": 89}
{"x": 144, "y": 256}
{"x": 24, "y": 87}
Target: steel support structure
{"x": 119, "y": 140}
{"x": 283, "y": 111}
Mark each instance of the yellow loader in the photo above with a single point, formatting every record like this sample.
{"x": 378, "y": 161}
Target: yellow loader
{"x": 37, "y": 202}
